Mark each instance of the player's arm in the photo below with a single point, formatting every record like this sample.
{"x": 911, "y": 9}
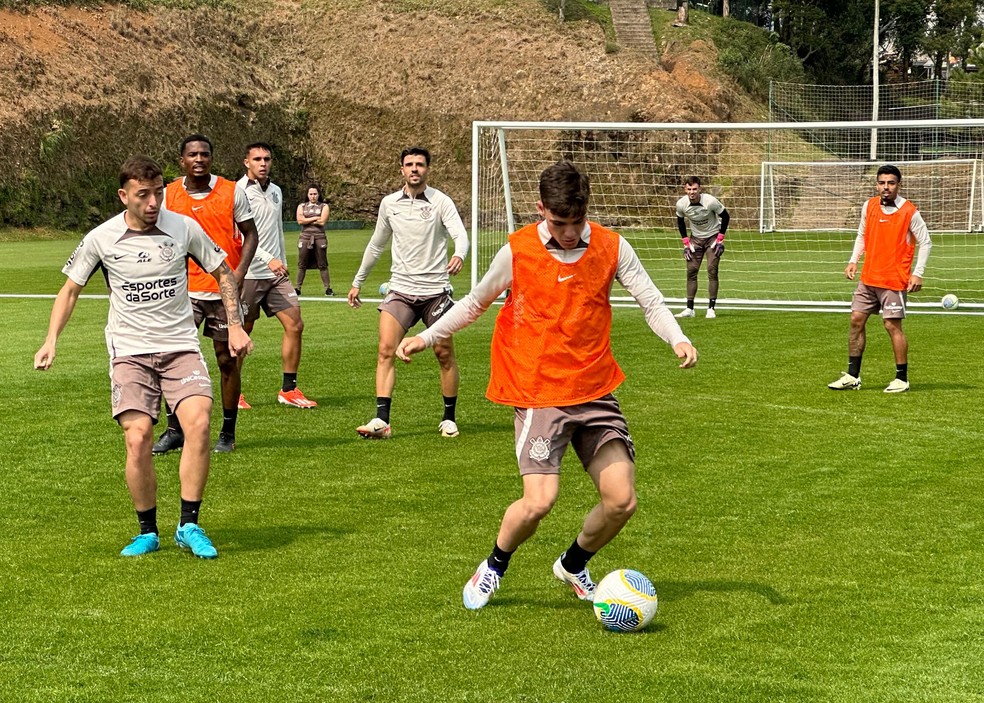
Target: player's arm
{"x": 239, "y": 342}
{"x": 856, "y": 253}
{"x": 920, "y": 232}
{"x": 301, "y": 220}
{"x": 634, "y": 277}
{"x": 724, "y": 219}
{"x": 497, "y": 279}
{"x": 377, "y": 245}
{"x": 688, "y": 248}
{"x": 251, "y": 240}
{"x": 459, "y": 235}
{"x": 61, "y": 312}
{"x": 322, "y": 219}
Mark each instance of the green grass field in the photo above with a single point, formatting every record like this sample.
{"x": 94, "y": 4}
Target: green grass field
{"x": 806, "y": 545}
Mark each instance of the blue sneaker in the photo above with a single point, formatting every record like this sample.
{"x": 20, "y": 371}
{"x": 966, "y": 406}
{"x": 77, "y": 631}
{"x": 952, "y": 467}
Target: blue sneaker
{"x": 142, "y": 544}
{"x": 191, "y": 536}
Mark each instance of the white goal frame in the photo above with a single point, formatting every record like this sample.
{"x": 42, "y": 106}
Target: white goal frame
{"x": 744, "y": 148}
{"x": 768, "y": 209}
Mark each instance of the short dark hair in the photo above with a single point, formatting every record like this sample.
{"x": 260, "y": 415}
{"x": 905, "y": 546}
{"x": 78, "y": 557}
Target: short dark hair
{"x": 691, "y": 181}
{"x": 195, "y": 138}
{"x": 564, "y": 190}
{"x": 258, "y": 145}
{"x": 890, "y": 170}
{"x": 416, "y": 151}
{"x": 139, "y": 168}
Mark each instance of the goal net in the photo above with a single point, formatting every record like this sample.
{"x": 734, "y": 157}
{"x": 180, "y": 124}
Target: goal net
{"x": 769, "y": 176}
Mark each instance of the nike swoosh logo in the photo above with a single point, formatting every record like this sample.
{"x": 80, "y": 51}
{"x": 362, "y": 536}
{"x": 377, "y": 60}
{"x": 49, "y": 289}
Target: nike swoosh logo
{"x": 883, "y": 220}
{"x": 196, "y": 209}
{"x": 561, "y": 279}
{"x": 117, "y": 257}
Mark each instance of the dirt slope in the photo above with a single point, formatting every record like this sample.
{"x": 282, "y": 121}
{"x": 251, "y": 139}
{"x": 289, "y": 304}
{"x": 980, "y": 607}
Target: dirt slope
{"x": 338, "y": 92}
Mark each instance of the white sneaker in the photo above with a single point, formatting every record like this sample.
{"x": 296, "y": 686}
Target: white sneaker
{"x": 448, "y": 428}
{"x": 480, "y": 587}
{"x": 686, "y": 312}
{"x": 375, "y": 429}
{"x": 580, "y": 583}
{"x": 711, "y": 314}
{"x": 847, "y": 382}
{"x": 897, "y": 386}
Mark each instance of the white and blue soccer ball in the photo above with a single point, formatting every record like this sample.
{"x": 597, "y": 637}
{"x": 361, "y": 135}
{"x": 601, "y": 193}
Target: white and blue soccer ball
{"x": 950, "y": 301}
{"x": 384, "y": 287}
{"x": 625, "y": 601}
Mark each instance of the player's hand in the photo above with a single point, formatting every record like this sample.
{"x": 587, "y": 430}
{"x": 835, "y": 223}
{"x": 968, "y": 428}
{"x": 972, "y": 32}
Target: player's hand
{"x": 353, "y": 298}
{"x": 851, "y": 271}
{"x": 718, "y": 246}
{"x": 915, "y": 284}
{"x": 686, "y": 351}
{"x": 45, "y": 357}
{"x": 454, "y": 266}
{"x": 688, "y": 249}
{"x": 409, "y": 345}
{"x": 239, "y": 342}
{"x": 240, "y": 276}
{"x": 277, "y": 266}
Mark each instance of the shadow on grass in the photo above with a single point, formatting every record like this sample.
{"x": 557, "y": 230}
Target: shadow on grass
{"x": 678, "y": 590}
{"x": 260, "y": 538}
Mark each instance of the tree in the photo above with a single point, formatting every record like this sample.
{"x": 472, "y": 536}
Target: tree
{"x": 955, "y": 28}
{"x": 831, "y": 37}
{"x": 904, "y": 27}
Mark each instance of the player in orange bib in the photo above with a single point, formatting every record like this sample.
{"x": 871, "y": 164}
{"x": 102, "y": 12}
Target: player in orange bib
{"x": 552, "y": 361}
{"x": 223, "y": 211}
{"x": 891, "y": 229}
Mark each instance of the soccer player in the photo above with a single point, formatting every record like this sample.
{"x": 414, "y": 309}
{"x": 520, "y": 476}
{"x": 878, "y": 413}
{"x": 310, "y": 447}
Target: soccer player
{"x": 890, "y": 231}
{"x": 220, "y": 208}
{"x": 152, "y": 340}
{"x": 708, "y": 223}
{"x": 551, "y": 359}
{"x": 419, "y": 219}
{"x": 267, "y": 283}
{"x": 312, "y": 245}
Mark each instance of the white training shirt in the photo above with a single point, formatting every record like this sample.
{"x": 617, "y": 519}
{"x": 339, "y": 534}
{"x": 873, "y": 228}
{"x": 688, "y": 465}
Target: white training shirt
{"x": 240, "y": 213}
{"x": 630, "y": 273}
{"x": 918, "y": 233}
{"x": 268, "y": 214}
{"x": 147, "y": 275}
{"x": 420, "y": 228}
{"x": 704, "y": 217}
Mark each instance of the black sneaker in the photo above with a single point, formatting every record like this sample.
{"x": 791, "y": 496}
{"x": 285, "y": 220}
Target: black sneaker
{"x": 226, "y": 443}
{"x": 298, "y": 291}
{"x": 329, "y": 291}
{"x": 170, "y": 441}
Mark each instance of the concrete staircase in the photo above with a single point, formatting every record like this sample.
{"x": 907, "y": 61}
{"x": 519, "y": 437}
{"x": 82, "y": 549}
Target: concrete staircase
{"x": 632, "y": 26}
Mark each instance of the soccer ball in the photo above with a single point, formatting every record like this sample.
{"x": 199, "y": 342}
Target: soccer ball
{"x": 384, "y": 287}
{"x": 625, "y": 601}
{"x": 950, "y": 301}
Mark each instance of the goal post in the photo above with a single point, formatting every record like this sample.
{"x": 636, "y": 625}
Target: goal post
{"x": 787, "y": 246}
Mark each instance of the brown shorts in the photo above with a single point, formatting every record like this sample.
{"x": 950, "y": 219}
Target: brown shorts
{"x": 868, "y": 299}
{"x": 542, "y": 434}
{"x": 213, "y": 314}
{"x": 138, "y": 381}
{"x": 411, "y": 309}
{"x": 272, "y": 294}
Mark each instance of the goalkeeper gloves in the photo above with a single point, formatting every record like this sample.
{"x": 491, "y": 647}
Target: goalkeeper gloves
{"x": 718, "y": 245}
{"x": 688, "y": 249}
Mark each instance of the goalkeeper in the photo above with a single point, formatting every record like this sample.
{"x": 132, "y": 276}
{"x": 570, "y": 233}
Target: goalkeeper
{"x": 708, "y": 222}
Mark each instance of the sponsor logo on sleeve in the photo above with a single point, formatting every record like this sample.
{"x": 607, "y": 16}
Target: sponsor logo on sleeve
{"x": 71, "y": 259}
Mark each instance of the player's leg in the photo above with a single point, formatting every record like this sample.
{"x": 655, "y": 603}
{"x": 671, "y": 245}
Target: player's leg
{"x": 194, "y": 413}
{"x": 430, "y": 312}
{"x": 713, "y": 261}
{"x": 321, "y": 257}
{"x": 863, "y": 304}
{"x": 391, "y": 333}
{"x": 141, "y": 480}
{"x": 900, "y": 347}
{"x": 231, "y": 386}
{"x": 172, "y": 438}
{"x": 693, "y": 268}
{"x": 304, "y": 256}
{"x": 290, "y": 355}
{"x": 519, "y": 522}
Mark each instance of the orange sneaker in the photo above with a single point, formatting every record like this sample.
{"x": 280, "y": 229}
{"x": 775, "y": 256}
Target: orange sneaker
{"x": 243, "y": 405}
{"x": 296, "y": 399}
